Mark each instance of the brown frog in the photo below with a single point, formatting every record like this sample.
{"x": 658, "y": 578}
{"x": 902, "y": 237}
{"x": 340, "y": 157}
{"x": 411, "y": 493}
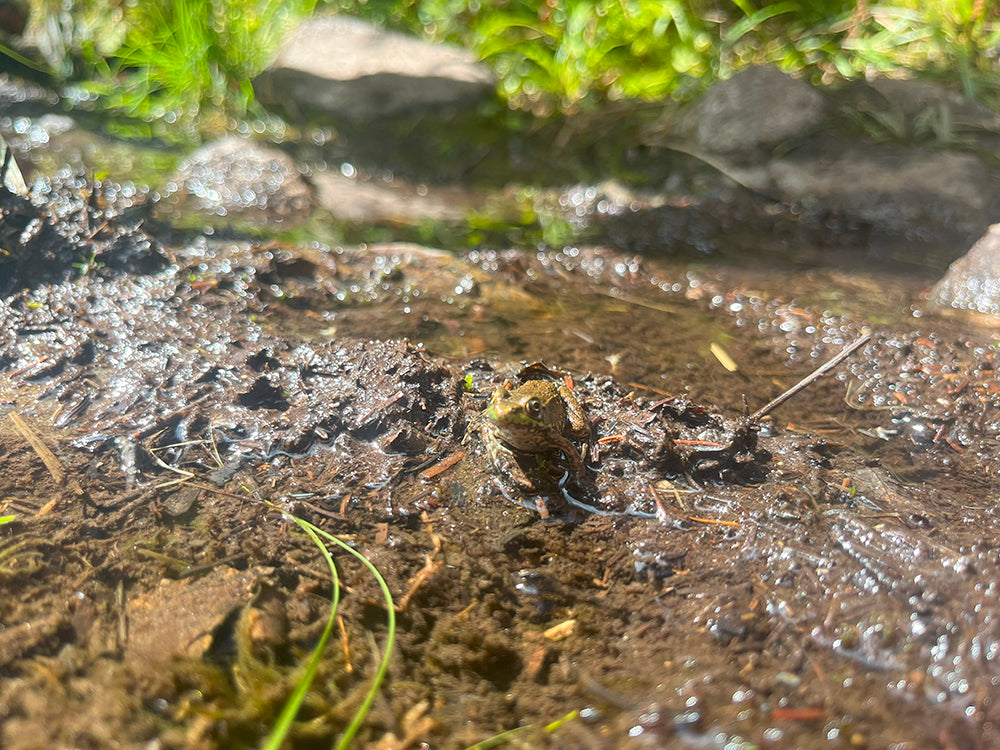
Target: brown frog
{"x": 537, "y": 417}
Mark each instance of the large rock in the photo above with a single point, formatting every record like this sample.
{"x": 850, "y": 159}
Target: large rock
{"x": 346, "y": 69}
{"x": 374, "y": 201}
{"x": 973, "y": 281}
{"x": 757, "y": 107}
{"x": 234, "y": 178}
{"x": 897, "y": 189}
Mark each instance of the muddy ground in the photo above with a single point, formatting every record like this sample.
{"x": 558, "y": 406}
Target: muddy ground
{"x": 826, "y": 576}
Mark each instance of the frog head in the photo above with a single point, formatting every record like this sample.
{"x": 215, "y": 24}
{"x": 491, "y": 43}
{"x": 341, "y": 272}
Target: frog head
{"x": 529, "y": 416}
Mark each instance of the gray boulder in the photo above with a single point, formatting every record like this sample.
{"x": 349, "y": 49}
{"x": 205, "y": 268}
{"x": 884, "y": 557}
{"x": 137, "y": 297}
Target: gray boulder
{"x": 237, "y": 179}
{"x": 973, "y": 281}
{"x": 898, "y": 189}
{"x": 759, "y": 107}
{"x": 342, "y": 68}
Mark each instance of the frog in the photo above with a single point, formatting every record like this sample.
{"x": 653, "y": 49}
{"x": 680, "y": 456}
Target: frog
{"x": 536, "y": 417}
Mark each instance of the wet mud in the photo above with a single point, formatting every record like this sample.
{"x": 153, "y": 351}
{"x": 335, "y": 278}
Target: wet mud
{"x": 824, "y": 576}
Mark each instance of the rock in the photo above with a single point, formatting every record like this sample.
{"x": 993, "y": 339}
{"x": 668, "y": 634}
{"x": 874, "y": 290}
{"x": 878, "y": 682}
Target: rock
{"x": 973, "y": 281}
{"x": 916, "y": 98}
{"x": 373, "y": 200}
{"x": 758, "y": 107}
{"x": 346, "y": 69}
{"x": 10, "y": 174}
{"x": 236, "y": 178}
{"x": 897, "y": 189}
{"x": 178, "y": 619}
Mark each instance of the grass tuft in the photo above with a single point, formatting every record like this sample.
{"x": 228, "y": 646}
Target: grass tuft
{"x": 172, "y": 69}
{"x": 290, "y": 710}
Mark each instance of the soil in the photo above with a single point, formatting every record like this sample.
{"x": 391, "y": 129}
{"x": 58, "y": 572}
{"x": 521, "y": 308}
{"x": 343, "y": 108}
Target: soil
{"x": 823, "y": 576}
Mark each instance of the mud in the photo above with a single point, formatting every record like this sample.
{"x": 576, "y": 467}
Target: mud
{"x": 824, "y": 577}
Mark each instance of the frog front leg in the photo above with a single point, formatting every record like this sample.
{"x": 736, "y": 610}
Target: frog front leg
{"x": 576, "y": 466}
{"x": 504, "y": 458}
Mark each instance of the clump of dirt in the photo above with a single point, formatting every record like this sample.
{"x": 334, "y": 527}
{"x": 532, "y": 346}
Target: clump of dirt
{"x": 713, "y": 580}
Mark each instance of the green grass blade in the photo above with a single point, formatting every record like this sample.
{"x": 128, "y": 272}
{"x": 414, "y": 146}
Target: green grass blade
{"x": 294, "y": 702}
{"x": 499, "y": 739}
{"x": 17, "y": 57}
{"x": 383, "y": 667}
{"x": 752, "y": 21}
{"x": 292, "y": 705}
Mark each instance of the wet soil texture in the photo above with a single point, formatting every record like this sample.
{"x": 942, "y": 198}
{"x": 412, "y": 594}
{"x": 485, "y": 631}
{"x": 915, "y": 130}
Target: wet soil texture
{"x": 825, "y": 577}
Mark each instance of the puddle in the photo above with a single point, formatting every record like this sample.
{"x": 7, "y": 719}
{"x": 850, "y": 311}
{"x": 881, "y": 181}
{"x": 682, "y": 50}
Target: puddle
{"x": 825, "y": 576}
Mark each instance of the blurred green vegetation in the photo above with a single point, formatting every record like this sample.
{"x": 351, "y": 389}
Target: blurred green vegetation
{"x": 184, "y": 66}
{"x": 566, "y": 55}
{"x": 169, "y": 68}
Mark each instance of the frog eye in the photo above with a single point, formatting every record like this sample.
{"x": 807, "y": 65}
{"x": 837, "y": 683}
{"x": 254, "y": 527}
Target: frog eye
{"x": 534, "y": 407}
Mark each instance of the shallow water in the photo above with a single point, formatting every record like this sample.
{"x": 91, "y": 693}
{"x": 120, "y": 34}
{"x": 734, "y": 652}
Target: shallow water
{"x": 825, "y": 578}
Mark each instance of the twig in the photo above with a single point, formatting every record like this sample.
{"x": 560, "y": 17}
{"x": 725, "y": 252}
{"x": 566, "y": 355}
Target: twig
{"x": 184, "y": 474}
{"x": 713, "y": 521}
{"x": 443, "y": 465}
{"x": 810, "y": 378}
{"x": 345, "y": 644}
{"x": 48, "y": 457}
{"x": 51, "y": 461}
{"x": 423, "y": 575}
{"x": 745, "y": 178}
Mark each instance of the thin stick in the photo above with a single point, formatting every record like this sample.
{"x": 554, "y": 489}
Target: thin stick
{"x": 41, "y": 449}
{"x": 810, "y": 378}
{"x": 52, "y": 463}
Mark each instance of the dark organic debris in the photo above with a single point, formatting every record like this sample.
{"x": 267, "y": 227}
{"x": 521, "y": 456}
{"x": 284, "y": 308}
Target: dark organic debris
{"x": 70, "y": 226}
